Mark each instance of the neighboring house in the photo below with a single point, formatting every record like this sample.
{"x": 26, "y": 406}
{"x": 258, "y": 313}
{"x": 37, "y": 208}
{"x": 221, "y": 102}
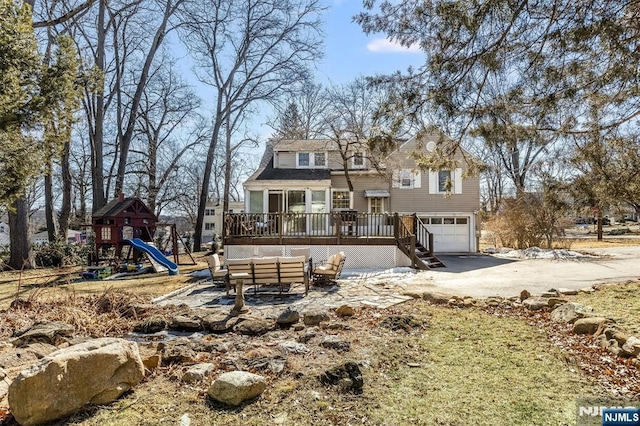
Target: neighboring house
{"x": 73, "y": 237}
{"x": 307, "y": 177}
{"x": 212, "y": 224}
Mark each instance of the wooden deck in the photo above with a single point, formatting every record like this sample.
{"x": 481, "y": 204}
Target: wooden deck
{"x": 311, "y": 228}
{"x": 346, "y": 228}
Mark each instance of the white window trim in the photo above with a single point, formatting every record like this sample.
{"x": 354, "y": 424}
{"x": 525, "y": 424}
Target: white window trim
{"x": 456, "y": 187}
{"x": 333, "y": 190}
{"x": 312, "y": 160}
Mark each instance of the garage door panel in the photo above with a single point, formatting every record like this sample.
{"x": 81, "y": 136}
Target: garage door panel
{"x": 450, "y": 234}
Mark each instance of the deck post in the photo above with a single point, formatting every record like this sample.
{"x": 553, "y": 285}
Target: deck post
{"x": 413, "y": 251}
{"x": 396, "y": 227}
{"x": 430, "y": 237}
{"x": 338, "y": 226}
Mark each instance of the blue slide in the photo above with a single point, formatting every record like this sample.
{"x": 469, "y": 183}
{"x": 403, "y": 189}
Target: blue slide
{"x": 155, "y": 254}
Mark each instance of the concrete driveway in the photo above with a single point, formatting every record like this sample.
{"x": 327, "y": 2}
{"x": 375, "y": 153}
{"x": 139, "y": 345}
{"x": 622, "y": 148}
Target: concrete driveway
{"x": 483, "y": 275}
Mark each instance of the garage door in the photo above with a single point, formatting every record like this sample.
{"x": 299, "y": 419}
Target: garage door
{"x": 450, "y": 234}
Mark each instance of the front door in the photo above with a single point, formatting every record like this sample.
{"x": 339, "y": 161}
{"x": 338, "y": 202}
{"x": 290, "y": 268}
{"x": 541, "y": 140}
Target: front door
{"x": 275, "y": 207}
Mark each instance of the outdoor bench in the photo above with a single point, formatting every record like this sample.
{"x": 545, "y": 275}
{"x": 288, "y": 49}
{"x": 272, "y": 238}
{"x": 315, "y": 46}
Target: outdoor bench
{"x": 269, "y": 272}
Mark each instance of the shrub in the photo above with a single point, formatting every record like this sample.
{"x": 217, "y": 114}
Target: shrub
{"x": 59, "y": 254}
{"x": 527, "y": 220}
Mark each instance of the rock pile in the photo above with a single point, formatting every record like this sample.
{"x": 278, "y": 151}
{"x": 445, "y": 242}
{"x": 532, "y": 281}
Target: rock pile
{"x": 46, "y": 373}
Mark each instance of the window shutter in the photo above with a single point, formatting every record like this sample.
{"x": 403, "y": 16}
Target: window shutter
{"x": 433, "y": 182}
{"x": 395, "y": 179}
{"x": 417, "y": 180}
{"x": 457, "y": 181}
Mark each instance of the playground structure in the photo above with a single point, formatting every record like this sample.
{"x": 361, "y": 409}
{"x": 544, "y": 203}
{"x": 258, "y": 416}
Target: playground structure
{"x": 129, "y": 223}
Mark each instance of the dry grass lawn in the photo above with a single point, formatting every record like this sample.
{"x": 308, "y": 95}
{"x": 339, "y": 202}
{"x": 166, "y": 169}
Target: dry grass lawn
{"x": 41, "y": 282}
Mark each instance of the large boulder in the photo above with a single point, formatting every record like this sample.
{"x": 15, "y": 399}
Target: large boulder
{"x": 198, "y": 372}
{"x": 234, "y": 387}
{"x": 287, "y": 317}
{"x": 94, "y": 372}
{"x": 52, "y": 333}
{"x": 219, "y": 323}
{"x": 178, "y": 351}
{"x": 254, "y": 326}
{"x": 631, "y": 347}
{"x": 535, "y": 303}
{"x": 185, "y": 323}
{"x": 589, "y": 325}
{"x": 314, "y": 317}
{"x": 568, "y": 313}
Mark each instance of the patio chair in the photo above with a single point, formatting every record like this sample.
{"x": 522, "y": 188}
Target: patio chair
{"x": 218, "y": 275}
{"x": 306, "y": 252}
{"x": 329, "y": 272}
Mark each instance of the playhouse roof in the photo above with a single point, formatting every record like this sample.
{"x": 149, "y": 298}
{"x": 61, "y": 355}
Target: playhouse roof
{"x": 116, "y": 206}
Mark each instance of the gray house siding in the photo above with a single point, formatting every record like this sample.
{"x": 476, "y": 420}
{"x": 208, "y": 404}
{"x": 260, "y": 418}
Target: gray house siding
{"x": 419, "y": 199}
{"x": 360, "y": 183}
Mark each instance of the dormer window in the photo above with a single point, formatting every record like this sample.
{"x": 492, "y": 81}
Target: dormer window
{"x": 320, "y": 159}
{"x": 357, "y": 161}
{"x": 311, "y": 160}
{"x": 304, "y": 159}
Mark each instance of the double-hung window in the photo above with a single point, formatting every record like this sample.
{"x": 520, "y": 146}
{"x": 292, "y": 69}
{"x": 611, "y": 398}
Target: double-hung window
{"x": 311, "y": 159}
{"x": 340, "y": 200}
{"x": 444, "y": 180}
{"x": 357, "y": 161}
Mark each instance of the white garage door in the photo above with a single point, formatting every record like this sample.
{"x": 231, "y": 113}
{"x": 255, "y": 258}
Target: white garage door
{"x": 450, "y": 234}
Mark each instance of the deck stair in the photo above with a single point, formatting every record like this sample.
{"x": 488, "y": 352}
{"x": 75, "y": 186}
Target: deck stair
{"x": 414, "y": 240}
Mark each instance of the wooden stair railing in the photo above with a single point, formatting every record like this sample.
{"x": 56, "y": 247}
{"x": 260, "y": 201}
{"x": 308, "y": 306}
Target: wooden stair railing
{"x": 414, "y": 240}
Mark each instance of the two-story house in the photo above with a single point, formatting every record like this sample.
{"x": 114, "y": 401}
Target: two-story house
{"x": 212, "y": 223}
{"x": 303, "y": 194}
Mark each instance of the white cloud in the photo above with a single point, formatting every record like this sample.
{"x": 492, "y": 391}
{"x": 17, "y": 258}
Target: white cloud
{"x": 383, "y": 45}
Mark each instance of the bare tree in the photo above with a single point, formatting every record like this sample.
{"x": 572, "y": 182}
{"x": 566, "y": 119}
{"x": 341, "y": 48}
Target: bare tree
{"x": 80, "y": 169}
{"x": 122, "y": 39}
{"x": 350, "y": 120}
{"x": 310, "y": 101}
{"x": 167, "y": 131}
{"x": 248, "y": 51}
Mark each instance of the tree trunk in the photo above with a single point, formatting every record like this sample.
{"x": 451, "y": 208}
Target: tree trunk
{"x": 20, "y": 256}
{"x": 204, "y": 191}
{"x": 97, "y": 141}
{"x": 599, "y": 224}
{"x": 65, "y": 208}
{"x": 153, "y": 175}
{"x": 49, "y": 208}
{"x": 125, "y": 140}
{"x": 227, "y": 169}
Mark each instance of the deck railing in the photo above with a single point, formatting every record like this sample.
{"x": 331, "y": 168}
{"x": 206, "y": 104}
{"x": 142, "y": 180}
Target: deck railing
{"x": 345, "y": 224}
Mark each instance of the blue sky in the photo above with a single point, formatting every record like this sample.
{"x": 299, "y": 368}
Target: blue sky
{"x": 349, "y": 52}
